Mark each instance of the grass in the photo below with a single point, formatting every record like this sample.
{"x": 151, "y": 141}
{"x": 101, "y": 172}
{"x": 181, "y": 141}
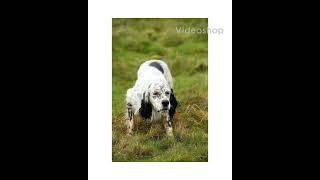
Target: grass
{"x": 137, "y": 40}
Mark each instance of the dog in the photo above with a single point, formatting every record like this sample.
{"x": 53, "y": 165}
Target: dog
{"x": 152, "y": 96}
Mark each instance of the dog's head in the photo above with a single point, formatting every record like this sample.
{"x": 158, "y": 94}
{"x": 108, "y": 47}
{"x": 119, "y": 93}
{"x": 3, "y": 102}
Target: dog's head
{"x": 159, "y": 97}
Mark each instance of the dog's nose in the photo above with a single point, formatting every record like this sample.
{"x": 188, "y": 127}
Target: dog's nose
{"x": 165, "y": 103}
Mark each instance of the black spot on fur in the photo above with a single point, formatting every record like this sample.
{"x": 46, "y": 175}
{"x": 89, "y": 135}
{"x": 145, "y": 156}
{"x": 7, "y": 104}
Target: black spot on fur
{"x": 130, "y": 114}
{"x": 157, "y": 65}
{"x": 146, "y": 108}
{"x": 173, "y": 103}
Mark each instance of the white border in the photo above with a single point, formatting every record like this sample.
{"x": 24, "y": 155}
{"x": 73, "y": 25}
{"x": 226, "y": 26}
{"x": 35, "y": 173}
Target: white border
{"x": 220, "y": 89}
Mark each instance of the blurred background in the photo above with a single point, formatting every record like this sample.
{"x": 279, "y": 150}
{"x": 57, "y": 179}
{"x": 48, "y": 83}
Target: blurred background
{"x": 137, "y": 40}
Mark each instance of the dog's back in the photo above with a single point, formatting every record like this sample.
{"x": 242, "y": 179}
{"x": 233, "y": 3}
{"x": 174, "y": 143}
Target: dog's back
{"x": 160, "y": 66}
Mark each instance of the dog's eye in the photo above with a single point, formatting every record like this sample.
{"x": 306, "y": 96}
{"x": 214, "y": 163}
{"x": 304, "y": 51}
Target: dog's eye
{"x": 167, "y": 92}
{"x": 156, "y": 94}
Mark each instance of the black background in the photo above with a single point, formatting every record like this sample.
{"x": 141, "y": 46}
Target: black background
{"x": 45, "y": 79}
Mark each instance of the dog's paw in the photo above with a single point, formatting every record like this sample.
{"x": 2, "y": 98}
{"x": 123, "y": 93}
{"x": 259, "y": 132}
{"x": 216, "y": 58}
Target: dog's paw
{"x": 129, "y": 134}
{"x": 169, "y": 133}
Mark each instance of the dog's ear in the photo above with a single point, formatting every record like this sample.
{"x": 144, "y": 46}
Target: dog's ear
{"x": 173, "y": 103}
{"x": 146, "y": 108}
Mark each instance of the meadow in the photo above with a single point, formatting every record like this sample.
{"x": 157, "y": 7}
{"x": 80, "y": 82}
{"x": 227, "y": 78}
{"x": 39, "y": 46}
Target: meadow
{"x": 137, "y": 40}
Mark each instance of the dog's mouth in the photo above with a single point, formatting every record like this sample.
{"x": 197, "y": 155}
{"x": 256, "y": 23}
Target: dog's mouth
{"x": 163, "y": 110}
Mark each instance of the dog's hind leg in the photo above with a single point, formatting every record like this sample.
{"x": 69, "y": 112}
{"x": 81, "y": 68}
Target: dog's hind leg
{"x": 130, "y": 111}
{"x": 129, "y": 119}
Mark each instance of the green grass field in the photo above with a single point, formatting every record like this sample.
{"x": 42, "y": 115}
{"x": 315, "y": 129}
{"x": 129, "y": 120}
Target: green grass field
{"x": 137, "y": 40}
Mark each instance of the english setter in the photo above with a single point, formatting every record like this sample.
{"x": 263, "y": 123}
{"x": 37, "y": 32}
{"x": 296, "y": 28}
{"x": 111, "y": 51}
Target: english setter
{"x": 152, "y": 96}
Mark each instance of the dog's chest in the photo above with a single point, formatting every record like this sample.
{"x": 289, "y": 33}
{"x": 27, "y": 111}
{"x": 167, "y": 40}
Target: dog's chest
{"x": 156, "y": 116}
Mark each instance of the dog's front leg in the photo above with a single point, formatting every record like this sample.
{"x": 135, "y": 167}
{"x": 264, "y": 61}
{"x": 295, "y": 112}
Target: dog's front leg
{"x": 130, "y": 122}
{"x": 169, "y": 125}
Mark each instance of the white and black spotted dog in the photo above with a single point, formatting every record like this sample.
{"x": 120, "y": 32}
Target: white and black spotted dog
{"x": 152, "y": 95}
